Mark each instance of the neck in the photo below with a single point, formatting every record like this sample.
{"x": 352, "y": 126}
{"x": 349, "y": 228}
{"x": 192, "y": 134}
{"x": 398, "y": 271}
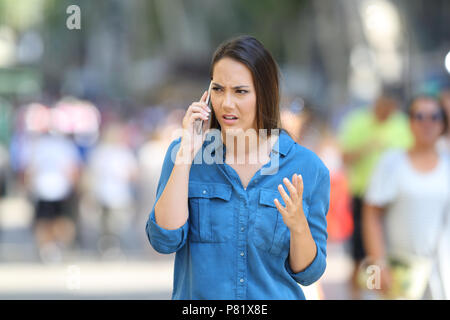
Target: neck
{"x": 245, "y": 149}
{"x": 423, "y": 148}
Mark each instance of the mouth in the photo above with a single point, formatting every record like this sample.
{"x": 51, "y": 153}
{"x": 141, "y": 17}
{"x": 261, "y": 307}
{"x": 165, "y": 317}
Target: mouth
{"x": 229, "y": 118}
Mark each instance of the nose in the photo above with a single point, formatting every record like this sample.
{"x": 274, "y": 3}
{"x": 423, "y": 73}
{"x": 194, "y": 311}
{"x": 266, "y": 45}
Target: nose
{"x": 227, "y": 102}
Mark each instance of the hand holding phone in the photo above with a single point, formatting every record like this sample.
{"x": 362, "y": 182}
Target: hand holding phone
{"x": 198, "y": 125}
{"x": 192, "y": 138}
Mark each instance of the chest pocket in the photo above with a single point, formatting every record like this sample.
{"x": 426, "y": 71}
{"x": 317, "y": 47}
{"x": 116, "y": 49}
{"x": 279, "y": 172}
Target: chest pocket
{"x": 270, "y": 232}
{"x": 210, "y": 212}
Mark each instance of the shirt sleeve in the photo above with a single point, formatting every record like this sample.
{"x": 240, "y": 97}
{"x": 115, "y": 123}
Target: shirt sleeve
{"x": 382, "y": 188}
{"x": 317, "y": 222}
{"x": 163, "y": 240}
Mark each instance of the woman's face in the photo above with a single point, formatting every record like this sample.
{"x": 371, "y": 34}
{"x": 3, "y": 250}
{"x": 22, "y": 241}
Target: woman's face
{"x": 426, "y": 122}
{"x": 233, "y": 95}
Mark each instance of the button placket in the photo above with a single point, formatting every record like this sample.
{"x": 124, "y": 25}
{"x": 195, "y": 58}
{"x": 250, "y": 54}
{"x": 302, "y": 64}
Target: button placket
{"x": 241, "y": 249}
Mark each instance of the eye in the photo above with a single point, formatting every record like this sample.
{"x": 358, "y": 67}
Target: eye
{"x": 436, "y": 117}
{"x": 217, "y": 89}
{"x": 241, "y": 91}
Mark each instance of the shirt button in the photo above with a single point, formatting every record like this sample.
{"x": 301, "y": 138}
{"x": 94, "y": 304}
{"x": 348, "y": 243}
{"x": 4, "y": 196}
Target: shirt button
{"x": 242, "y": 254}
{"x": 242, "y": 280}
{"x": 242, "y": 228}
{"x": 204, "y": 191}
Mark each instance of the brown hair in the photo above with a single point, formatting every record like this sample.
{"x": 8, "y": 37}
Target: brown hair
{"x": 250, "y": 52}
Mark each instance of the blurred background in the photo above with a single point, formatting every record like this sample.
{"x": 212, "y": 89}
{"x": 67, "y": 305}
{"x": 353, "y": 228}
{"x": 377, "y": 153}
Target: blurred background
{"x": 86, "y": 116}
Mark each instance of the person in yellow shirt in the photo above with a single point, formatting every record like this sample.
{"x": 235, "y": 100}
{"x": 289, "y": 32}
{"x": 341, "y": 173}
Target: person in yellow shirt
{"x": 364, "y": 135}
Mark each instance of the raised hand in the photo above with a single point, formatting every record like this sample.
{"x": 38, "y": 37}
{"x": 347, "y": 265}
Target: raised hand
{"x": 293, "y": 215}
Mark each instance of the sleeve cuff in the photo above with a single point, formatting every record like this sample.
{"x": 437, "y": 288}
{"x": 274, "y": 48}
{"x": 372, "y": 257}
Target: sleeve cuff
{"x": 312, "y": 273}
{"x": 163, "y": 240}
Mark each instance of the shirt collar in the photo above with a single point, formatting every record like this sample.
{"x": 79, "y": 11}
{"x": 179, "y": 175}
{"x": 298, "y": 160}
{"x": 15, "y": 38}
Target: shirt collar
{"x": 284, "y": 143}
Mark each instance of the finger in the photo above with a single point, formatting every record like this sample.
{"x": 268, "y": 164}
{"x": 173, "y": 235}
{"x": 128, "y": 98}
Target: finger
{"x": 285, "y": 196}
{"x": 199, "y": 109}
{"x": 203, "y": 98}
{"x": 292, "y": 190}
{"x": 300, "y": 186}
{"x": 202, "y": 105}
{"x": 296, "y": 183}
{"x": 198, "y": 115}
{"x": 280, "y": 207}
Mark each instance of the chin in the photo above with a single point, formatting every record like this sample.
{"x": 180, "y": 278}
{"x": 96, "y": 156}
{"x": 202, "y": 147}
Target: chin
{"x": 236, "y": 130}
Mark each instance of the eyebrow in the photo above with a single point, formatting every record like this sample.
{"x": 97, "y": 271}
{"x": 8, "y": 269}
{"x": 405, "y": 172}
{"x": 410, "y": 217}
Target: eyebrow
{"x": 236, "y": 87}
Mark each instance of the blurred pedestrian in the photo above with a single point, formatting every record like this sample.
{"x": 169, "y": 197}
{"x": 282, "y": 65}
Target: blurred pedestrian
{"x": 408, "y": 199}
{"x": 150, "y": 160}
{"x": 339, "y": 218}
{"x": 52, "y": 169}
{"x": 364, "y": 135}
{"x": 112, "y": 173}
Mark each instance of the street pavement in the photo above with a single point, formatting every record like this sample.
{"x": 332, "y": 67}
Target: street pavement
{"x": 85, "y": 274}
{"x": 148, "y": 278}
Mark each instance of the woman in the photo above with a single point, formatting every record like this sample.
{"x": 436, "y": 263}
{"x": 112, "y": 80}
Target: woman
{"x": 410, "y": 192}
{"x": 237, "y": 232}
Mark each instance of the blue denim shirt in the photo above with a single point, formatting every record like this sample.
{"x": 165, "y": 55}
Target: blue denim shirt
{"x": 235, "y": 244}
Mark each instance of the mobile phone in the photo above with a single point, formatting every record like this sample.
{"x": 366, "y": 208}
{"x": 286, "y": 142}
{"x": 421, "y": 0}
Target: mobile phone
{"x": 198, "y": 125}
